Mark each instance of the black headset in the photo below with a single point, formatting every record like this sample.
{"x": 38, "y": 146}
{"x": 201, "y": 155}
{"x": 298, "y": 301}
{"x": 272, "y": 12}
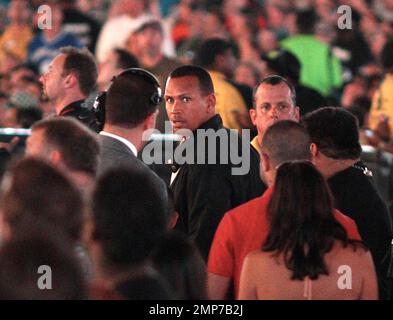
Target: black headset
{"x": 155, "y": 99}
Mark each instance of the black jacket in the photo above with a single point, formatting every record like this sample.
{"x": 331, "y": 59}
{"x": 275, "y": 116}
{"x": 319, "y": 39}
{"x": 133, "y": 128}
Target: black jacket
{"x": 204, "y": 192}
{"x": 356, "y": 197}
{"x": 80, "y": 111}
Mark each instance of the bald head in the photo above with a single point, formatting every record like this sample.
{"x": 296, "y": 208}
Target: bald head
{"x": 286, "y": 141}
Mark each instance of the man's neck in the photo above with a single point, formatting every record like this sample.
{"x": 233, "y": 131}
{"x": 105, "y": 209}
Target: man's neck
{"x": 329, "y": 167}
{"x": 52, "y": 33}
{"x": 60, "y": 104}
{"x": 133, "y": 135}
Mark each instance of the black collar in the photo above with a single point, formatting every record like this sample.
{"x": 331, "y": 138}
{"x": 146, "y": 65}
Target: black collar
{"x": 71, "y": 107}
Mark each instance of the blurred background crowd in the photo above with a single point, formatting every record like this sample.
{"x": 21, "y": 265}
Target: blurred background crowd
{"x": 298, "y": 39}
{"x": 331, "y": 58}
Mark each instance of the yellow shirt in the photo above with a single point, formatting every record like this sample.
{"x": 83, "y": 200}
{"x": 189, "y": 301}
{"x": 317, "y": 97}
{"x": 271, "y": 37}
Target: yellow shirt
{"x": 382, "y": 104}
{"x": 230, "y": 104}
{"x": 14, "y": 41}
{"x": 254, "y": 142}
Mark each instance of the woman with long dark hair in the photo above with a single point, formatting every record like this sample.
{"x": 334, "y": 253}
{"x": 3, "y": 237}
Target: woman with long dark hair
{"x": 307, "y": 253}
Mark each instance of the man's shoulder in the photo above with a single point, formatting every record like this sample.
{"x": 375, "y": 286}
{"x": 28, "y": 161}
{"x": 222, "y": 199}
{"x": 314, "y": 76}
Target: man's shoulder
{"x": 113, "y": 147}
{"x": 248, "y": 209}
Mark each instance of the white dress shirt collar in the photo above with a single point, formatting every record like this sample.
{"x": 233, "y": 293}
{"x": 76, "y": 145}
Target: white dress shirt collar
{"x": 129, "y": 144}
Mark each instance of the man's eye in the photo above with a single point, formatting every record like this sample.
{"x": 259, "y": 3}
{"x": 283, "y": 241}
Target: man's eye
{"x": 169, "y": 100}
{"x": 283, "y": 107}
{"x": 265, "y": 107}
{"x": 185, "y": 99}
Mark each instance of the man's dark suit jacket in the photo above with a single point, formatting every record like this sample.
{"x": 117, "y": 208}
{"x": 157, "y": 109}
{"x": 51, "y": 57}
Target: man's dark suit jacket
{"x": 114, "y": 154}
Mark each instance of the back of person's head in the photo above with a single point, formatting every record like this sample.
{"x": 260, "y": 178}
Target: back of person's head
{"x": 145, "y": 287}
{"x": 129, "y": 215}
{"x": 34, "y": 192}
{"x": 39, "y": 265}
{"x": 302, "y": 227}
{"x": 306, "y": 20}
{"x": 274, "y": 80}
{"x": 285, "y": 141}
{"x": 209, "y": 50}
{"x": 81, "y": 63}
{"x": 178, "y": 260}
{"x": 204, "y": 79}
{"x": 335, "y": 132}
{"x": 125, "y": 59}
{"x": 133, "y": 96}
{"x": 359, "y": 112}
{"x": 387, "y": 56}
{"x": 284, "y": 63}
{"x": 77, "y": 145}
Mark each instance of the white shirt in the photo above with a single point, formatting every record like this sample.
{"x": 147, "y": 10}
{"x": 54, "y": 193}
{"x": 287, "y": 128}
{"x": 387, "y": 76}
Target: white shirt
{"x": 121, "y": 139}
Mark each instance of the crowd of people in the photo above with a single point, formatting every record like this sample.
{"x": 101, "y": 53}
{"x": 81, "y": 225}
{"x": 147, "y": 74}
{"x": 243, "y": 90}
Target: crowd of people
{"x": 283, "y": 79}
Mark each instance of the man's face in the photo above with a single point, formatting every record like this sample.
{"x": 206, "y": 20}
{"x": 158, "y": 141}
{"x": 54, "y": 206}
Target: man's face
{"x": 52, "y": 80}
{"x": 149, "y": 41}
{"x": 273, "y": 104}
{"x": 187, "y": 107}
{"x": 36, "y": 144}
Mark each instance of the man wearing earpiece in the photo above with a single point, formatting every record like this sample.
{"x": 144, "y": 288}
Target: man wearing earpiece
{"x": 131, "y": 107}
{"x": 69, "y": 80}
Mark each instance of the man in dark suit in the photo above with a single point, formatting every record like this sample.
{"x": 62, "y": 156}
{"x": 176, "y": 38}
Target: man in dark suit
{"x": 206, "y": 185}
{"x": 130, "y": 109}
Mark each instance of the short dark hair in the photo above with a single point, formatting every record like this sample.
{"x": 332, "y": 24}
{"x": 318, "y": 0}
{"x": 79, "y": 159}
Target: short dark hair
{"x": 129, "y": 213}
{"x": 178, "y": 260}
{"x": 286, "y": 141}
{"x": 77, "y": 144}
{"x": 284, "y": 63}
{"x": 306, "y": 20}
{"x": 128, "y": 100}
{"x": 204, "y": 79}
{"x": 387, "y": 55}
{"x": 209, "y": 50}
{"x": 335, "y": 131}
{"x": 81, "y": 62}
{"x": 304, "y": 220}
{"x": 33, "y": 191}
{"x": 125, "y": 59}
{"x": 274, "y": 80}
{"x": 21, "y": 260}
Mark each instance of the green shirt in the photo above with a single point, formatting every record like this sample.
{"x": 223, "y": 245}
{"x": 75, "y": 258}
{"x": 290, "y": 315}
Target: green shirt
{"x": 320, "y": 69}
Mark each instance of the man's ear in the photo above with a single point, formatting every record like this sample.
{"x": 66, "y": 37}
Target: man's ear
{"x": 297, "y": 114}
{"x": 253, "y": 116}
{"x": 150, "y": 121}
{"x": 211, "y": 103}
{"x": 55, "y": 158}
{"x": 265, "y": 162}
{"x": 314, "y": 150}
{"x": 70, "y": 80}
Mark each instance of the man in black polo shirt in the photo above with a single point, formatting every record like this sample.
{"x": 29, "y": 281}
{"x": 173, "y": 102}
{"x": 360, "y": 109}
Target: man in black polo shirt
{"x": 69, "y": 80}
{"x": 336, "y": 153}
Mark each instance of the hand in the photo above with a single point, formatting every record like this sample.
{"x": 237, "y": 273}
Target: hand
{"x": 10, "y": 146}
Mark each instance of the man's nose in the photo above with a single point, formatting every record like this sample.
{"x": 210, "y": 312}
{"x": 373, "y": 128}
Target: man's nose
{"x": 273, "y": 111}
{"x": 42, "y": 78}
{"x": 176, "y": 107}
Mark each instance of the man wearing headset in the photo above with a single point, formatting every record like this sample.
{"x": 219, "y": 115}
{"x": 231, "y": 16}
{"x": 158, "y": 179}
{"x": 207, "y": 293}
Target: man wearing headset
{"x": 69, "y": 80}
{"x": 131, "y": 107}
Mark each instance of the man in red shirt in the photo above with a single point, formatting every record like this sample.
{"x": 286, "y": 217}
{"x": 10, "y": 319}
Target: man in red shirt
{"x": 243, "y": 229}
